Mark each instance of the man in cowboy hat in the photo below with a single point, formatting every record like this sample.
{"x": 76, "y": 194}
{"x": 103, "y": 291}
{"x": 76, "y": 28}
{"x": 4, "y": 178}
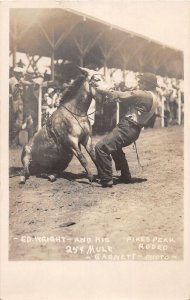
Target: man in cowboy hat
{"x": 142, "y": 104}
{"x": 16, "y": 105}
{"x": 51, "y": 101}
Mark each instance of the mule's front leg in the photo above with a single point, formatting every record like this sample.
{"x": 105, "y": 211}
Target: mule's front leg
{"x": 77, "y": 152}
{"x": 89, "y": 148}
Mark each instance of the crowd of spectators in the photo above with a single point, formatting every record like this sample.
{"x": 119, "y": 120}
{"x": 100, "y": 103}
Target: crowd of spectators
{"x": 24, "y": 92}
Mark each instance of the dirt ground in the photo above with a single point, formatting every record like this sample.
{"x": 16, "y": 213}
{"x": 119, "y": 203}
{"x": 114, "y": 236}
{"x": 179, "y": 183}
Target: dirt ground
{"x": 73, "y": 220}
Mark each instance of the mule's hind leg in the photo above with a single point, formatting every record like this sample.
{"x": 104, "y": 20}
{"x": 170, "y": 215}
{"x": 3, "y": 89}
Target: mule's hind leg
{"x": 50, "y": 177}
{"x": 26, "y": 159}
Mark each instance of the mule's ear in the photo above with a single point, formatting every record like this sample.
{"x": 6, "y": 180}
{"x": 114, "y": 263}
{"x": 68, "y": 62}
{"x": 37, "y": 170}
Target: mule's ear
{"x": 86, "y": 71}
{"x": 82, "y": 70}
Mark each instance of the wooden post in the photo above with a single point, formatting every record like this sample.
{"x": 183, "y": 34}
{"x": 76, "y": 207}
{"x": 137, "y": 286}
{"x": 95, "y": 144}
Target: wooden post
{"x": 14, "y": 54}
{"x": 53, "y": 56}
{"x": 124, "y": 69}
{"x": 52, "y": 66}
{"x": 162, "y": 112}
{"x": 40, "y": 108}
{"x": 105, "y": 67}
{"x": 15, "y": 43}
{"x": 81, "y": 61}
{"x": 117, "y": 113}
{"x": 123, "y": 74}
{"x": 179, "y": 108}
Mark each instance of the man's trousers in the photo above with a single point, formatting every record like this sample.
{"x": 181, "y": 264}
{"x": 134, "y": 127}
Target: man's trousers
{"x": 124, "y": 134}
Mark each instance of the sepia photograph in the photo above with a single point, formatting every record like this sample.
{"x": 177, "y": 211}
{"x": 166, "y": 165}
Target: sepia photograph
{"x": 89, "y": 98}
{"x": 95, "y": 134}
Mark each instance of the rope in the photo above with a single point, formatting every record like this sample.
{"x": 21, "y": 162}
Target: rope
{"x": 135, "y": 146}
{"x": 74, "y": 114}
{"x": 91, "y": 113}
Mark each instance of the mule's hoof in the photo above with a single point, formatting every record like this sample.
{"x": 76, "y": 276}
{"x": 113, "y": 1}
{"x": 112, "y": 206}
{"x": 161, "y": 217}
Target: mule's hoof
{"x": 52, "y": 178}
{"x": 22, "y": 179}
{"x": 91, "y": 178}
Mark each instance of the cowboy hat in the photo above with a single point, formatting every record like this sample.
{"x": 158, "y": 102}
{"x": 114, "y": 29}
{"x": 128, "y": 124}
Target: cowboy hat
{"x": 18, "y": 70}
{"x": 149, "y": 77}
{"x": 50, "y": 91}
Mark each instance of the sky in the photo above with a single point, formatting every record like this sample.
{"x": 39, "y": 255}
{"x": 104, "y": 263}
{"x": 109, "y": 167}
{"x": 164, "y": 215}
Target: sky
{"x": 165, "y": 21}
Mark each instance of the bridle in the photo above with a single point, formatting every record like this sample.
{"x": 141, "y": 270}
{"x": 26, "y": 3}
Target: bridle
{"x": 74, "y": 114}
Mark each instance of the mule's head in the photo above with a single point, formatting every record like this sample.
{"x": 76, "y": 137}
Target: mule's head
{"x": 99, "y": 87}
{"x": 97, "y": 82}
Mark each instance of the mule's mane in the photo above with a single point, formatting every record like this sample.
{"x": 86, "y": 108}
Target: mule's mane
{"x": 72, "y": 89}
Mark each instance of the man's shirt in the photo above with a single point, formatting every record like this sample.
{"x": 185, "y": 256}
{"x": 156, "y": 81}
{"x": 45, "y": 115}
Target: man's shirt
{"x": 142, "y": 100}
{"x": 139, "y": 105}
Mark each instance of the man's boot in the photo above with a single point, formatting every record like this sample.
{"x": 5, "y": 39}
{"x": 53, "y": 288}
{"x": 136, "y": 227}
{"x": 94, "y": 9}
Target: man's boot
{"x": 125, "y": 176}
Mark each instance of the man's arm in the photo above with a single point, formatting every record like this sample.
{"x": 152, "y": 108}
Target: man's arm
{"x": 122, "y": 95}
{"x": 114, "y": 95}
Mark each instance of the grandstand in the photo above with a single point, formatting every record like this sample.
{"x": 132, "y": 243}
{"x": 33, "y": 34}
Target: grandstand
{"x": 64, "y": 35}
{"x": 69, "y": 35}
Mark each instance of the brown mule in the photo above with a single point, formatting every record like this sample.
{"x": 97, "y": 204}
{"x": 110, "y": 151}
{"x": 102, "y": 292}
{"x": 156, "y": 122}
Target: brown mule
{"x": 52, "y": 148}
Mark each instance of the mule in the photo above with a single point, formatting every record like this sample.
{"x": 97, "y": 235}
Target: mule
{"x": 51, "y": 149}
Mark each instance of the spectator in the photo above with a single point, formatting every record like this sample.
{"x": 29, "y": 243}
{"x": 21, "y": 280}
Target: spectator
{"x": 50, "y": 102}
{"x": 173, "y": 105}
{"x": 53, "y": 101}
{"x": 165, "y": 99}
{"x": 46, "y": 76}
{"x": 15, "y": 105}
{"x": 20, "y": 64}
{"x": 17, "y": 89}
